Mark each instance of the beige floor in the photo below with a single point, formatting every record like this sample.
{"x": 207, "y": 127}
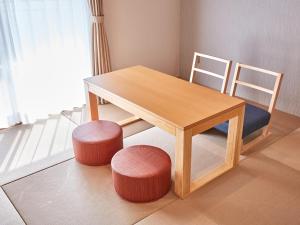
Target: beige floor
{"x": 264, "y": 189}
{"x": 71, "y": 193}
{"x": 8, "y": 214}
{"x": 25, "y": 149}
{"x": 73, "y": 187}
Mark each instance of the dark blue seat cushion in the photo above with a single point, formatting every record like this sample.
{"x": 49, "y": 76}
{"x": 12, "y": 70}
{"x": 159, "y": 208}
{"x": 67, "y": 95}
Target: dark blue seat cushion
{"x": 255, "y": 118}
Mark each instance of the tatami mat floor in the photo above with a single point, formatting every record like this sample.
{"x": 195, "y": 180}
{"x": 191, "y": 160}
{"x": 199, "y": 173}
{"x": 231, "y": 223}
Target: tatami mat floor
{"x": 263, "y": 190}
{"x": 257, "y": 192}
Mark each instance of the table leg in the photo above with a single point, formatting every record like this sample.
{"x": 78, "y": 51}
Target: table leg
{"x": 91, "y": 104}
{"x": 234, "y": 139}
{"x": 183, "y": 154}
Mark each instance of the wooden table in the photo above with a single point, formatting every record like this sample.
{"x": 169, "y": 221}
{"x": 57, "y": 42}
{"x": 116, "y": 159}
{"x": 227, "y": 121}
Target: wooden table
{"x": 181, "y": 108}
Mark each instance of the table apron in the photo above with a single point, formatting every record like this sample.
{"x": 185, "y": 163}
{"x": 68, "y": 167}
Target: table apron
{"x": 132, "y": 108}
{"x": 206, "y": 125}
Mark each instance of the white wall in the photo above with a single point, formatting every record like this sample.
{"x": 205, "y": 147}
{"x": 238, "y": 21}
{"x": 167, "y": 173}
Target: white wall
{"x": 163, "y": 34}
{"x": 263, "y": 33}
{"x": 144, "y": 32}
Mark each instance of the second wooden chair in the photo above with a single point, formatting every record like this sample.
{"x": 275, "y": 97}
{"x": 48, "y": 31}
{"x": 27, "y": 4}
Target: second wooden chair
{"x": 255, "y": 117}
{"x": 222, "y": 77}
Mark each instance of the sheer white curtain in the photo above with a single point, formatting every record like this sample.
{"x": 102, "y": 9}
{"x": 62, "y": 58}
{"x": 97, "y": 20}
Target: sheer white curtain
{"x": 44, "y": 55}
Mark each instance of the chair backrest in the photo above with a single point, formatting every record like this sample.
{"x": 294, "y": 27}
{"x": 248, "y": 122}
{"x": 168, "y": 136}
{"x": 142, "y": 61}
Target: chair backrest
{"x": 273, "y": 92}
{"x": 222, "y": 77}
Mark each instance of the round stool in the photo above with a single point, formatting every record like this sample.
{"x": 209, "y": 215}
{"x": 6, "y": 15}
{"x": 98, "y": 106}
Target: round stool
{"x": 141, "y": 173}
{"x": 96, "y": 142}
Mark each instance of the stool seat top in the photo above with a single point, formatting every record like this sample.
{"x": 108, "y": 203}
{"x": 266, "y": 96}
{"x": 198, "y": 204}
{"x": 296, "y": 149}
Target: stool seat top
{"x": 97, "y": 131}
{"x": 141, "y": 161}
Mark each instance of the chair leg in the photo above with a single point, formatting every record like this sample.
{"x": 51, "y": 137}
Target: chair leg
{"x": 266, "y": 133}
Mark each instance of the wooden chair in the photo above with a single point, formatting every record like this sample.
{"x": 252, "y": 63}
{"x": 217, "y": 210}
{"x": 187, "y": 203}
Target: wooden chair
{"x": 255, "y": 117}
{"x": 222, "y": 77}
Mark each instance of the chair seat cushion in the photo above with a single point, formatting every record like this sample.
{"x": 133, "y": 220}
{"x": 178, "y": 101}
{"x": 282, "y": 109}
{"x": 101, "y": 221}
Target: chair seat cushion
{"x": 255, "y": 118}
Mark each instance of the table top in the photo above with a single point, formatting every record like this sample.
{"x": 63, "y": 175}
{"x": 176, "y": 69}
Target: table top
{"x": 173, "y": 100}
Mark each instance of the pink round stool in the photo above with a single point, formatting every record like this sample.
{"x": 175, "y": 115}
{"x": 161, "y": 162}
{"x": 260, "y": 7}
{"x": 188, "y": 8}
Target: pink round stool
{"x": 96, "y": 142}
{"x": 141, "y": 173}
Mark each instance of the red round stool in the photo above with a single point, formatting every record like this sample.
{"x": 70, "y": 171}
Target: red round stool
{"x": 141, "y": 173}
{"x": 96, "y": 142}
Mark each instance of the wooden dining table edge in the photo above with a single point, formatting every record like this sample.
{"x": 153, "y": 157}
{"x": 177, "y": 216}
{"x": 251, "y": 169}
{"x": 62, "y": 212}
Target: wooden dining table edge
{"x": 174, "y": 126}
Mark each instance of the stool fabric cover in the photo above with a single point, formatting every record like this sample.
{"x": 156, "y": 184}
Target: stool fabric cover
{"x": 96, "y": 142}
{"x": 255, "y": 118}
{"x": 141, "y": 173}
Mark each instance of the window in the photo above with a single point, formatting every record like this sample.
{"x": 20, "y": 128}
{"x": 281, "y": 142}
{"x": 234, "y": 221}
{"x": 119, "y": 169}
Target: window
{"x": 44, "y": 56}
